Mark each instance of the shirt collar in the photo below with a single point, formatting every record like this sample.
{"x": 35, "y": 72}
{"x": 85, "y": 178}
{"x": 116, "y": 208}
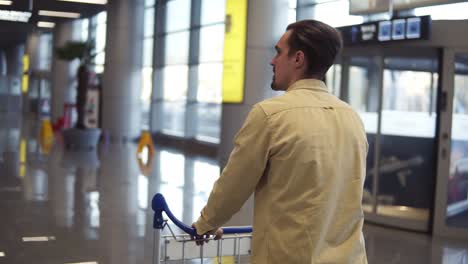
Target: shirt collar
{"x": 310, "y": 84}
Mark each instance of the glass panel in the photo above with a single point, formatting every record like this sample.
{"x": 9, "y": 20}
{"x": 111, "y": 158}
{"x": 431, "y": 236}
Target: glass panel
{"x": 292, "y": 3}
{"x": 102, "y": 17}
{"x": 205, "y": 174}
{"x": 174, "y": 118}
{"x": 178, "y": 15}
{"x": 175, "y": 82}
{"x": 99, "y": 68}
{"x": 407, "y": 145}
{"x": 446, "y": 12}
{"x": 213, "y": 11}
{"x": 208, "y": 122}
{"x": 100, "y": 58}
{"x": 335, "y": 13}
{"x": 363, "y": 97}
{"x": 177, "y": 48}
{"x": 333, "y": 79}
{"x": 148, "y": 52}
{"x": 149, "y": 2}
{"x": 84, "y": 29}
{"x": 212, "y": 43}
{"x": 210, "y": 76}
{"x": 147, "y": 84}
{"x": 100, "y": 37}
{"x": 457, "y": 200}
{"x": 149, "y": 22}
{"x": 291, "y": 15}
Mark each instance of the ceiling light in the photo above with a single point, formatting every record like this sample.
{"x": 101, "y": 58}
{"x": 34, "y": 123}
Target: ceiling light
{"x": 3, "y": 2}
{"x": 38, "y": 239}
{"x": 44, "y": 24}
{"x": 58, "y": 14}
{"x": 2, "y": 254}
{"x": 16, "y": 16}
{"x": 96, "y": 2}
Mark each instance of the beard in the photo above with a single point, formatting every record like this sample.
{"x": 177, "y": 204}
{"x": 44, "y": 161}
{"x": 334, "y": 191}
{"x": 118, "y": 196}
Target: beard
{"x": 274, "y": 86}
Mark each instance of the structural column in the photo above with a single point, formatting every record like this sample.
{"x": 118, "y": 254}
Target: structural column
{"x": 122, "y": 74}
{"x": 63, "y": 72}
{"x": 14, "y": 57}
{"x": 266, "y": 22}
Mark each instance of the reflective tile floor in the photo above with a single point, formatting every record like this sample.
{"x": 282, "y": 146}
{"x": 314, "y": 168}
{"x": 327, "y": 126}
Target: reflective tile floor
{"x": 94, "y": 207}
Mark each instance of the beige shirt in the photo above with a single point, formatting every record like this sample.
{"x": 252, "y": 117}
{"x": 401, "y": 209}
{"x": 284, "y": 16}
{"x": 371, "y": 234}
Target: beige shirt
{"x": 304, "y": 156}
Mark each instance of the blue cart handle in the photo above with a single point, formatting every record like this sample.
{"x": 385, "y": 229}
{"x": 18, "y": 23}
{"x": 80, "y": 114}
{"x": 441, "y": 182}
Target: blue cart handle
{"x": 159, "y": 205}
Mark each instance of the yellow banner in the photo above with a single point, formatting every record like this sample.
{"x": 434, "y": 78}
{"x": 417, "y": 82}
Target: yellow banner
{"x": 234, "y": 51}
{"x": 25, "y": 83}
{"x": 25, "y": 63}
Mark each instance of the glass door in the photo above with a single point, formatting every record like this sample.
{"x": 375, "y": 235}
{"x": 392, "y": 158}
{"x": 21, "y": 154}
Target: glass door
{"x": 361, "y": 78}
{"x": 408, "y": 141}
{"x": 457, "y": 189}
{"x": 451, "y": 203}
{"x": 395, "y": 94}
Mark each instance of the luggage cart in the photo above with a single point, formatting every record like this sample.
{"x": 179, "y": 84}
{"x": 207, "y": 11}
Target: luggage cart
{"x": 233, "y": 247}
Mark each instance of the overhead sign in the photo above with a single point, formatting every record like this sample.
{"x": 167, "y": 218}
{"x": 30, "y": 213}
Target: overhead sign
{"x": 234, "y": 51}
{"x": 359, "y": 7}
{"x": 399, "y": 29}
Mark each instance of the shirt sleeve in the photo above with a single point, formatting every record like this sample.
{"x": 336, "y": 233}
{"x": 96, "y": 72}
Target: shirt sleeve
{"x": 243, "y": 171}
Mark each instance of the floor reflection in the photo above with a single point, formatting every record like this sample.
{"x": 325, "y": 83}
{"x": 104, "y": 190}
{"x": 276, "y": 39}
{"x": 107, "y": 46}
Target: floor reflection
{"x": 97, "y": 204}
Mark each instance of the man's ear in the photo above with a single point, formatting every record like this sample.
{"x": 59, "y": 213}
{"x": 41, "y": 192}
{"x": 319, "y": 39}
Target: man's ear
{"x": 300, "y": 58}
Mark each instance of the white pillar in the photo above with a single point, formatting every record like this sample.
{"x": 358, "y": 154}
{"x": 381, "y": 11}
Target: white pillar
{"x": 122, "y": 74}
{"x": 63, "y": 72}
{"x": 266, "y": 22}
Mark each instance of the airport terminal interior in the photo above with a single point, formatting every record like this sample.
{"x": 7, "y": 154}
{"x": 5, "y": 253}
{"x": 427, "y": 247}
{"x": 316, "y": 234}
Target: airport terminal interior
{"x": 167, "y": 85}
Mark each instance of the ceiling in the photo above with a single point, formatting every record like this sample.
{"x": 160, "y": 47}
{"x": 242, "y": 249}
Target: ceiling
{"x": 12, "y": 33}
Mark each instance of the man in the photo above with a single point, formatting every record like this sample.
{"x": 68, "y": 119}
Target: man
{"x": 304, "y": 156}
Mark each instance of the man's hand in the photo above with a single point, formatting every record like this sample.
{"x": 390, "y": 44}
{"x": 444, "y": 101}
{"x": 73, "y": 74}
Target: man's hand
{"x": 200, "y": 240}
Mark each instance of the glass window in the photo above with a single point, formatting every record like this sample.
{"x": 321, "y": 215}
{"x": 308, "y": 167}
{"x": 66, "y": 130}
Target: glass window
{"x": 148, "y": 52}
{"x": 292, "y": 11}
{"x": 450, "y": 12}
{"x": 102, "y": 18}
{"x": 213, "y": 11}
{"x": 292, "y": 16}
{"x": 84, "y": 29}
{"x": 175, "y": 82}
{"x": 334, "y": 13}
{"x": 177, "y": 48}
{"x": 149, "y": 2}
{"x": 99, "y": 68}
{"x": 100, "y": 58}
{"x": 212, "y": 43}
{"x": 149, "y": 22}
{"x": 174, "y": 118}
{"x": 178, "y": 15}
{"x": 404, "y": 105}
{"x": 333, "y": 79}
{"x": 205, "y": 174}
{"x": 100, "y": 37}
{"x": 210, "y": 77}
{"x": 208, "y": 122}
{"x": 145, "y": 97}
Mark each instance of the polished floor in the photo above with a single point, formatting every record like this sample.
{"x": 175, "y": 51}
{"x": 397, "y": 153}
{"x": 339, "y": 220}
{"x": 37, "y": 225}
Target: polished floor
{"x": 94, "y": 207}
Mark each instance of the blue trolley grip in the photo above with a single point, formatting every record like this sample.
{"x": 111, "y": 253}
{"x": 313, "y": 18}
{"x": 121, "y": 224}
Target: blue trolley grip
{"x": 159, "y": 205}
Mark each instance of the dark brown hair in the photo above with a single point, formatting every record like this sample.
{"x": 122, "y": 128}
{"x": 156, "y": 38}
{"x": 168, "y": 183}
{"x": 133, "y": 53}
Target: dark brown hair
{"x": 319, "y": 42}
